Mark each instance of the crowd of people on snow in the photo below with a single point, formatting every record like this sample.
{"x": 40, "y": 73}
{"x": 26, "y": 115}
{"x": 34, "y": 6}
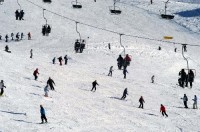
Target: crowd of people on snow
{"x": 18, "y": 36}
{"x": 60, "y": 59}
{"x": 19, "y": 15}
{"x": 185, "y": 78}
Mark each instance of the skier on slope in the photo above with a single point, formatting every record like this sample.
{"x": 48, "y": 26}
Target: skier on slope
{"x": 60, "y": 60}
{"x": 50, "y": 82}
{"x": 29, "y": 36}
{"x": 54, "y": 60}
{"x": 43, "y": 115}
{"x": 124, "y": 72}
{"x": 6, "y": 37}
{"x": 94, "y": 84}
{"x": 36, "y": 73}
{"x": 2, "y": 86}
{"x": 31, "y": 53}
{"x": 141, "y": 100}
{"x": 66, "y": 59}
{"x": 110, "y": 71}
{"x": 152, "y": 79}
{"x": 124, "y": 94}
{"x": 163, "y": 110}
{"x": 195, "y": 102}
{"x": 185, "y": 99}
{"x": 12, "y": 35}
{"x": 46, "y": 90}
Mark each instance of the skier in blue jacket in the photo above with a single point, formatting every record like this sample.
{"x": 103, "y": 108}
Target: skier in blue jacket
{"x": 43, "y": 116}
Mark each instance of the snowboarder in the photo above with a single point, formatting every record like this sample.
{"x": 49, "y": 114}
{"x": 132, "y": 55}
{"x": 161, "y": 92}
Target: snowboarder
{"x": 31, "y": 52}
{"x": 109, "y": 46}
{"x": 6, "y": 37}
{"x": 12, "y": 35}
{"x": 54, "y": 60}
{"x": 163, "y": 110}
{"x": 120, "y": 62}
{"x": 46, "y": 90}
{"x": 124, "y": 72}
{"x": 60, "y": 60}
{"x": 141, "y": 100}
{"x": 110, "y": 71}
{"x": 94, "y": 84}
{"x": 36, "y": 73}
{"x": 183, "y": 77}
{"x": 22, "y": 35}
{"x": 185, "y": 99}
{"x": 21, "y": 15}
{"x": 124, "y": 94}
{"x": 29, "y": 36}
{"x": 66, "y": 59}
{"x": 43, "y": 116}
{"x": 2, "y": 87}
{"x": 17, "y": 14}
{"x": 50, "y": 82}
{"x": 152, "y": 79}
{"x": 195, "y": 102}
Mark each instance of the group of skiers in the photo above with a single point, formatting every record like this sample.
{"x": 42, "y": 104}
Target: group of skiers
{"x": 60, "y": 59}
{"x": 18, "y": 36}
{"x": 19, "y": 15}
{"x": 46, "y": 29}
{"x": 185, "y": 78}
{"x": 79, "y": 46}
{"x": 185, "y": 100}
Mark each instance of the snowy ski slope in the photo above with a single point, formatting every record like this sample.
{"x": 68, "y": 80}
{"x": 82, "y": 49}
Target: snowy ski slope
{"x": 73, "y": 107}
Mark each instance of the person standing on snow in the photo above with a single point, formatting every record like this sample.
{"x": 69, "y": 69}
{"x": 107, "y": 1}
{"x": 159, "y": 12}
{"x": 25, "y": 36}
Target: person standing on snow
{"x": 12, "y": 35}
{"x": 124, "y": 94}
{"x": 31, "y": 52}
{"x": 195, "y": 102}
{"x": 185, "y": 99}
{"x": 163, "y": 110}
{"x": 60, "y": 60}
{"x": 36, "y": 73}
{"x": 54, "y": 60}
{"x": 66, "y": 59}
{"x": 50, "y": 82}
{"x": 6, "y": 37}
{"x": 29, "y": 36}
{"x": 141, "y": 100}
{"x": 110, "y": 71}
{"x": 124, "y": 72}
{"x": 94, "y": 84}
{"x": 46, "y": 90}
{"x": 2, "y": 86}
{"x": 43, "y": 115}
{"x": 152, "y": 79}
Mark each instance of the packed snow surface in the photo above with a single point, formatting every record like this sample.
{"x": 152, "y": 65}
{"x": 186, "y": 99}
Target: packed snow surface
{"x": 72, "y": 106}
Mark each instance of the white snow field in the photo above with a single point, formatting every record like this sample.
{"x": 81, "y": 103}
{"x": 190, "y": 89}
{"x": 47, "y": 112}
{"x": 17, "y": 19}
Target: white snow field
{"x": 73, "y": 107}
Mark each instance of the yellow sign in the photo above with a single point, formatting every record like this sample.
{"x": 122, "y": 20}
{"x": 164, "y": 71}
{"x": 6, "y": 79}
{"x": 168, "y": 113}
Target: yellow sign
{"x": 168, "y": 37}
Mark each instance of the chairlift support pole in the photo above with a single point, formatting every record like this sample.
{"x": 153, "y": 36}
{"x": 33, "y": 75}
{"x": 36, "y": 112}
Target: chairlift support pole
{"x": 44, "y": 16}
{"x": 19, "y": 4}
{"x": 166, "y": 6}
{"x": 120, "y": 36}
{"x": 184, "y": 56}
{"x": 78, "y": 31}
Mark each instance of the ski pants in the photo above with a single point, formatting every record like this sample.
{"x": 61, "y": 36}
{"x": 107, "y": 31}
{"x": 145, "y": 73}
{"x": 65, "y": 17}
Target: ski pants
{"x": 110, "y": 73}
{"x": 141, "y": 105}
{"x": 164, "y": 113}
{"x": 51, "y": 86}
{"x": 185, "y": 104}
{"x": 2, "y": 91}
{"x": 43, "y": 117}
{"x": 123, "y": 97}
{"x": 94, "y": 87}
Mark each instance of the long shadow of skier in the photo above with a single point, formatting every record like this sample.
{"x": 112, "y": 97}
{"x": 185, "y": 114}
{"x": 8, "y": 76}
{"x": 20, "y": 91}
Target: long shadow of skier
{"x": 15, "y": 113}
{"x": 22, "y": 121}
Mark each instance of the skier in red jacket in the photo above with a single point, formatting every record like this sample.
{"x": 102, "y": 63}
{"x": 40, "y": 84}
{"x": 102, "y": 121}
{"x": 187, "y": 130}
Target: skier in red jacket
{"x": 162, "y": 109}
{"x": 36, "y": 73}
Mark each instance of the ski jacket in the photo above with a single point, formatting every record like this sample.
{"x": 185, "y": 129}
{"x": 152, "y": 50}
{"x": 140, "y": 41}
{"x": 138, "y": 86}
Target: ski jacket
{"x": 195, "y": 99}
{"x": 185, "y": 98}
{"x": 1, "y": 85}
{"x": 141, "y": 100}
{"x": 42, "y": 111}
{"x": 46, "y": 88}
{"x": 127, "y": 58}
{"x": 162, "y": 109}
{"x": 50, "y": 82}
{"x": 35, "y": 72}
{"x": 95, "y": 83}
{"x": 125, "y": 92}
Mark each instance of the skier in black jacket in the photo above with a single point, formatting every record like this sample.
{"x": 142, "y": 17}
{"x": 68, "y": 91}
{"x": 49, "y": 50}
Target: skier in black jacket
{"x": 124, "y": 94}
{"x": 51, "y": 83}
{"x": 94, "y": 85}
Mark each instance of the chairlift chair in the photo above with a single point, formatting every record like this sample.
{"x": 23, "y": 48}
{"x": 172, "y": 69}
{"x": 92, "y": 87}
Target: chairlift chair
{"x": 165, "y": 16}
{"x": 114, "y": 10}
{"x": 76, "y": 4}
{"x": 47, "y": 1}
{"x": 1, "y": 2}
